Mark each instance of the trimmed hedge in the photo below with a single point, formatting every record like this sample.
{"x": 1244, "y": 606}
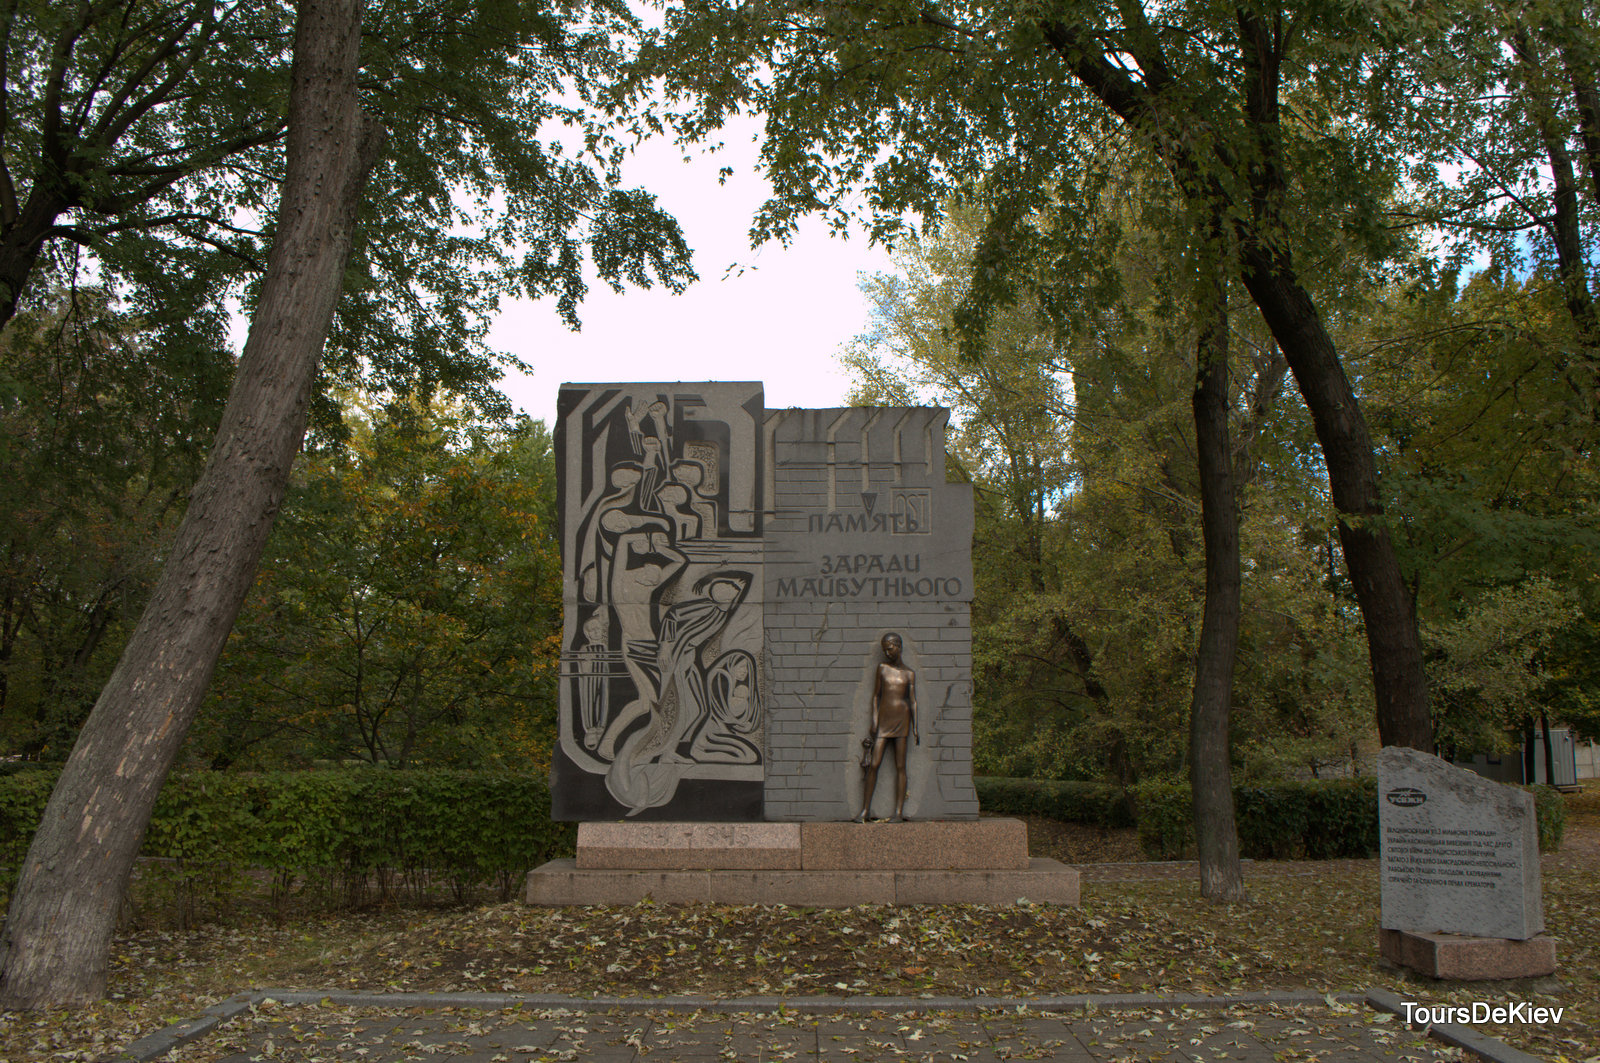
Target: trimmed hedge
{"x": 1317, "y": 820}
{"x": 354, "y": 830}
{"x": 1093, "y": 803}
{"x": 23, "y": 796}
{"x": 1550, "y": 808}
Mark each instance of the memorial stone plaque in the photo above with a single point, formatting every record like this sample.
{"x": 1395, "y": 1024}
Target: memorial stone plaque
{"x": 1459, "y": 853}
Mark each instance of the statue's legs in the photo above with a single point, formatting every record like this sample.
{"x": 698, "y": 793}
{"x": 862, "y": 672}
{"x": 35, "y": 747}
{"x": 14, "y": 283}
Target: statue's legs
{"x": 900, "y": 779}
{"x": 870, "y": 782}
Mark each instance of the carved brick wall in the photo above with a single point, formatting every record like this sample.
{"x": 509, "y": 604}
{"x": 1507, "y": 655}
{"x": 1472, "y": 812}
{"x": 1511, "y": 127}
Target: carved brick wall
{"x": 864, "y": 537}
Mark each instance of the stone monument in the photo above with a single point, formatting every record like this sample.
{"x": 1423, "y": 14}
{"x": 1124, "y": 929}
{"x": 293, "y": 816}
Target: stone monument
{"x": 730, "y": 575}
{"x": 1460, "y": 888}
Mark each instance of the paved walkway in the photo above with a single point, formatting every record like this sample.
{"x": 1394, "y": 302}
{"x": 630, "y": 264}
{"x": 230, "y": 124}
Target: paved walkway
{"x": 391, "y": 1028}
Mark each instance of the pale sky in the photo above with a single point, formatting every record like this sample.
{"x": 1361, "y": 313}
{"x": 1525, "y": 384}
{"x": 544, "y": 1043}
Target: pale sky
{"x": 780, "y": 321}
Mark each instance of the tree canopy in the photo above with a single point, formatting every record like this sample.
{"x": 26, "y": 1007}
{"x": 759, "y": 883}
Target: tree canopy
{"x": 143, "y": 146}
{"x": 407, "y": 610}
{"x": 1260, "y": 118}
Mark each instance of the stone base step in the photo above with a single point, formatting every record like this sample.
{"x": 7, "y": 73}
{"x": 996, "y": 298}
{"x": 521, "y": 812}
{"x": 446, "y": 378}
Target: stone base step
{"x": 1468, "y": 959}
{"x": 561, "y": 882}
{"x": 996, "y": 844}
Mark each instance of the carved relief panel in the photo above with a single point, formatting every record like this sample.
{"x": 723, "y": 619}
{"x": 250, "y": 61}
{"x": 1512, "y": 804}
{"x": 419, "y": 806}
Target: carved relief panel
{"x": 661, "y": 700}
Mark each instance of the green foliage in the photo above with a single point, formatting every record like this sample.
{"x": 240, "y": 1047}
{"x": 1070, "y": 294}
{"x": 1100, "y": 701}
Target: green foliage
{"x": 1318, "y": 820}
{"x": 147, "y": 141}
{"x": 406, "y": 610}
{"x": 23, "y": 795}
{"x": 1091, "y": 803}
{"x": 354, "y": 833}
{"x": 1495, "y": 497}
{"x": 877, "y": 113}
{"x": 101, "y": 436}
{"x": 407, "y": 607}
{"x": 1315, "y": 820}
{"x": 1087, "y": 553}
{"x": 1339, "y": 820}
{"x": 1550, "y": 809}
{"x": 1036, "y": 118}
{"x": 1165, "y": 814}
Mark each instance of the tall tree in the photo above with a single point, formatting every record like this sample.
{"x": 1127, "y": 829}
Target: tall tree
{"x": 1491, "y": 461}
{"x": 143, "y": 145}
{"x": 57, "y": 934}
{"x": 908, "y": 101}
{"x": 1082, "y": 452}
{"x": 1010, "y": 420}
{"x": 1210, "y": 769}
{"x": 407, "y": 610}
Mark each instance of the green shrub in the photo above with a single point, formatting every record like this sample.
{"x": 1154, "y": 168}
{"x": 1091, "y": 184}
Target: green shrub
{"x": 1165, "y": 815}
{"x": 1344, "y": 819}
{"x": 1318, "y": 819}
{"x": 17, "y": 767}
{"x": 1550, "y": 812}
{"x": 1090, "y": 803}
{"x": 23, "y": 796}
{"x": 197, "y": 844}
{"x": 345, "y": 834}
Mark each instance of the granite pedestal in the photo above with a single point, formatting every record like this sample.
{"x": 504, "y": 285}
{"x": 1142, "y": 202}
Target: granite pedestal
{"x": 824, "y": 865}
{"x": 1459, "y": 957}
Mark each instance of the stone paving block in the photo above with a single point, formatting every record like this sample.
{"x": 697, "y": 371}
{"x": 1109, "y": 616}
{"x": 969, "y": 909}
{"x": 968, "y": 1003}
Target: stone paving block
{"x": 855, "y": 1038}
{"x": 1223, "y": 1042}
{"x": 942, "y": 1030}
{"x": 1041, "y": 1038}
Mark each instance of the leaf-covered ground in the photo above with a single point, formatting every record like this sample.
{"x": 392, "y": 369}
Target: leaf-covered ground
{"x": 1243, "y": 1033}
{"x": 1310, "y": 926}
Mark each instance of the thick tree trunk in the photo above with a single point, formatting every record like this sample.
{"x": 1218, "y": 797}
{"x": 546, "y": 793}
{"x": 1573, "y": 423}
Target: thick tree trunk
{"x": 1586, "y": 97}
{"x": 1567, "y": 233}
{"x": 20, "y": 243}
{"x": 1210, "y": 779}
{"x": 1394, "y": 645}
{"x": 58, "y": 931}
{"x": 1563, "y": 223}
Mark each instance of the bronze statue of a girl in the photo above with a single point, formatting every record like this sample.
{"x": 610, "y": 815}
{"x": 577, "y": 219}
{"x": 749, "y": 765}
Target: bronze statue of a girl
{"x": 894, "y": 719}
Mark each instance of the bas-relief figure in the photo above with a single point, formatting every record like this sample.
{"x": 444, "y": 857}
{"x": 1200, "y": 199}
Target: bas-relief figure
{"x": 661, "y": 650}
{"x": 894, "y": 720}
